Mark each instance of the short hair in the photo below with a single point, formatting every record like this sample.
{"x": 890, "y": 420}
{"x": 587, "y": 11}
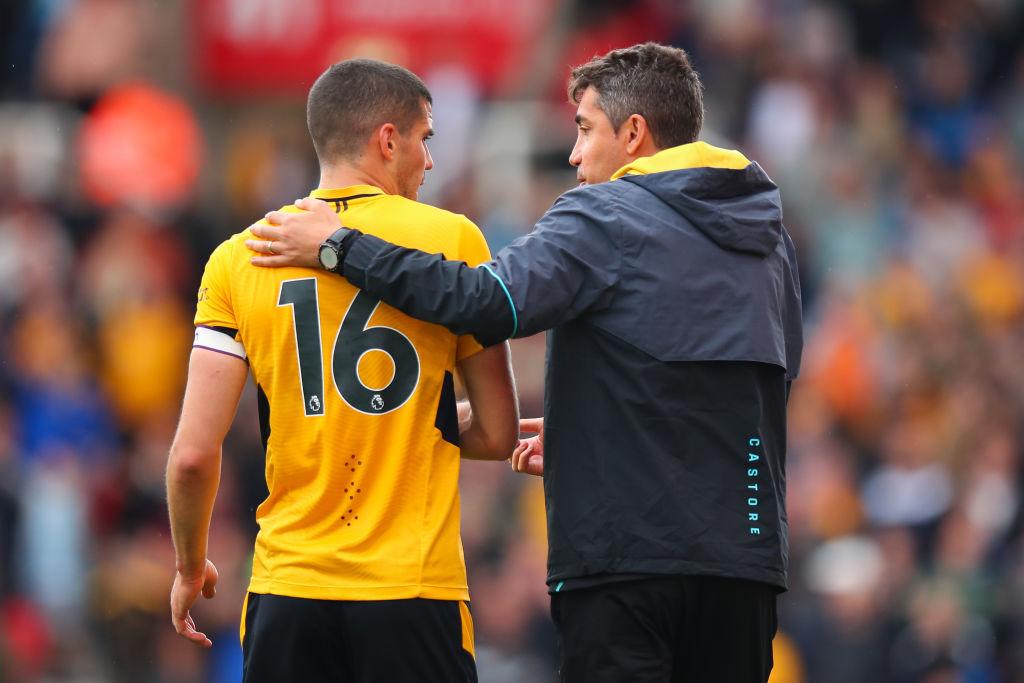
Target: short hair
{"x": 655, "y": 81}
{"x": 354, "y": 97}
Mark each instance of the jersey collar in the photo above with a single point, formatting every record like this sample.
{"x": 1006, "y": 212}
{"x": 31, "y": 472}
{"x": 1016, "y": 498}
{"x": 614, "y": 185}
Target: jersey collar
{"x": 342, "y": 197}
{"x": 349, "y": 192}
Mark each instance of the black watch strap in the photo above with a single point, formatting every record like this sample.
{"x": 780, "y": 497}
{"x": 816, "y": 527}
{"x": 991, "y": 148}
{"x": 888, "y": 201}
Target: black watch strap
{"x": 346, "y": 243}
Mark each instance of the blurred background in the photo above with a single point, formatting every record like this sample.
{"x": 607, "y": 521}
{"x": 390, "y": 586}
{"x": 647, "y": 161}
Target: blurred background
{"x": 135, "y": 135}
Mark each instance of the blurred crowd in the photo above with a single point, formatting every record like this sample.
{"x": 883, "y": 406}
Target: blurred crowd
{"x": 896, "y": 132}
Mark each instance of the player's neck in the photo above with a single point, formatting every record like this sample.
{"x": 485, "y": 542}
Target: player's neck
{"x": 334, "y": 177}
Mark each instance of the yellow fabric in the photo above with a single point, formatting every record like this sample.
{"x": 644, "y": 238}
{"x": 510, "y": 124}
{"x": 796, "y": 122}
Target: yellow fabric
{"x": 787, "y": 665}
{"x": 692, "y": 155}
{"x": 468, "y": 640}
{"x": 361, "y": 505}
{"x": 241, "y": 625}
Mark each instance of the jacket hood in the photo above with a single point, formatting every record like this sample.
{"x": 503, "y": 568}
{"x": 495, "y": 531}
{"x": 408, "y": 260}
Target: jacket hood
{"x": 722, "y": 193}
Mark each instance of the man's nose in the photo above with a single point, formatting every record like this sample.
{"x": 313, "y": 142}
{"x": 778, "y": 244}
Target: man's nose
{"x": 575, "y": 156}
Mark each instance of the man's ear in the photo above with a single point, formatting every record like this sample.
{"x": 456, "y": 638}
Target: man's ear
{"x": 386, "y": 140}
{"x": 637, "y": 133}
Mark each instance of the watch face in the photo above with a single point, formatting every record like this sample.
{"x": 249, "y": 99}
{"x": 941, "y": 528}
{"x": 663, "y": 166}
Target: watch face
{"x": 328, "y": 257}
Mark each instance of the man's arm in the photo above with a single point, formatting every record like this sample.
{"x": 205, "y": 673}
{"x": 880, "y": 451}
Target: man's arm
{"x": 215, "y": 383}
{"x": 489, "y": 422}
{"x": 566, "y": 266}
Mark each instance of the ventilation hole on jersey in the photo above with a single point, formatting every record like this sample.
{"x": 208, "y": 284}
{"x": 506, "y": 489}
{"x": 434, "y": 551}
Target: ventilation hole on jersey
{"x": 353, "y": 469}
{"x": 351, "y": 498}
{"x": 359, "y": 490}
{"x": 348, "y": 524}
{"x": 360, "y": 462}
{"x": 350, "y": 512}
{"x": 356, "y": 517}
{"x": 346, "y": 490}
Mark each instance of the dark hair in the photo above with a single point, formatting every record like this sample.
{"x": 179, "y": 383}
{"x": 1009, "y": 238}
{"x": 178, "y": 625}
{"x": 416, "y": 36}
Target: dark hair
{"x": 352, "y": 98}
{"x": 652, "y": 80}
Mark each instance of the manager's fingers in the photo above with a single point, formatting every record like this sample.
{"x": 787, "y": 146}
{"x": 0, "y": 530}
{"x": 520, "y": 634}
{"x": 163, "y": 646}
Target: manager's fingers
{"x": 520, "y": 455}
{"x": 314, "y": 205}
{"x": 270, "y": 261}
{"x": 275, "y": 219}
{"x": 267, "y": 232}
{"x": 531, "y": 425}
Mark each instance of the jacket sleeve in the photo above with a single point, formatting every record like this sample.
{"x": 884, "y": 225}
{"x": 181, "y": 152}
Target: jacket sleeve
{"x": 566, "y": 266}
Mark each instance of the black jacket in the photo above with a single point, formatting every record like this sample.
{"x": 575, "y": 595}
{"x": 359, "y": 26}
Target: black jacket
{"x": 674, "y": 308}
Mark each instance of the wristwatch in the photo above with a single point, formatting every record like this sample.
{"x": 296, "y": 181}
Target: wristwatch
{"x": 332, "y": 251}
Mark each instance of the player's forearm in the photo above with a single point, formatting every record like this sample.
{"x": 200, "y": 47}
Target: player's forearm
{"x": 477, "y": 442}
{"x": 426, "y": 286}
{"x": 192, "y": 481}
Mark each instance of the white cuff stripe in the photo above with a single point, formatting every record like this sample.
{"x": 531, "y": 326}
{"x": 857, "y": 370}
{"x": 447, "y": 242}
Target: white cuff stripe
{"x": 218, "y": 341}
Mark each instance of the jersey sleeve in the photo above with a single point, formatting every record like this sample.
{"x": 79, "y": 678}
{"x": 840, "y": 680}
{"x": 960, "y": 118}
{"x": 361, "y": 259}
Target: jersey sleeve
{"x": 216, "y": 324}
{"x": 473, "y": 250}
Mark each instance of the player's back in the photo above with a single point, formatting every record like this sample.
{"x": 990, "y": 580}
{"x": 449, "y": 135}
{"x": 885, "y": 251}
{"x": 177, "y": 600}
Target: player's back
{"x": 357, "y": 414}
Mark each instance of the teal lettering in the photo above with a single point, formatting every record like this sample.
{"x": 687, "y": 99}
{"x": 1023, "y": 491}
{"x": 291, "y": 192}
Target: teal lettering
{"x": 755, "y": 531}
{"x": 753, "y": 487}
{"x": 752, "y": 516}
{"x": 754, "y": 442}
{"x": 753, "y": 457}
{"x": 752, "y": 472}
{"x": 752, "y": 502}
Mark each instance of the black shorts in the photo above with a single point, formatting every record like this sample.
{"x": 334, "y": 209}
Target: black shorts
{"x": 297, "y": 640}
{"x": 688, "y": 629}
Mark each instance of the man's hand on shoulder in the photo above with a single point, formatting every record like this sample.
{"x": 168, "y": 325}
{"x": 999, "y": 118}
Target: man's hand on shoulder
{"x": 293, "y": 239}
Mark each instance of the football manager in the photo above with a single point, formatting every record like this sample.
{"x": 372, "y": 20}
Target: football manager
{"x": 670, "y": 289}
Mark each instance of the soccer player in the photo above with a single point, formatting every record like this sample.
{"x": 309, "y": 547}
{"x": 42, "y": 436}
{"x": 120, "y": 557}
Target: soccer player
{"x": 670, "y": 287}
{"x": 358, "y": 573}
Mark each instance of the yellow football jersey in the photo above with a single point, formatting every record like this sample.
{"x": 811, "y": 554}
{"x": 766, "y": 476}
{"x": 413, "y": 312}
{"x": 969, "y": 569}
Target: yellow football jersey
{"x": 357, "y": 413}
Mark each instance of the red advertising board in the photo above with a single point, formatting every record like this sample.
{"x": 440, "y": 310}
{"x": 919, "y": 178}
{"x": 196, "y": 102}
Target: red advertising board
{"x": 266, "y": 46}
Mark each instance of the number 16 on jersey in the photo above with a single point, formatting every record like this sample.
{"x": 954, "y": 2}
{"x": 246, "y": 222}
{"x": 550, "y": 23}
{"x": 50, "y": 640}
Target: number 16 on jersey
{"x": 353, "y": 340}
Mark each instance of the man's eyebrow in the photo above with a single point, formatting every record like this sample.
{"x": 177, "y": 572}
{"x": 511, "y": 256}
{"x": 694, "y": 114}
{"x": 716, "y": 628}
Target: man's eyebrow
{"x": 430, "y": 132}
{"x": 580, "y": 120}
